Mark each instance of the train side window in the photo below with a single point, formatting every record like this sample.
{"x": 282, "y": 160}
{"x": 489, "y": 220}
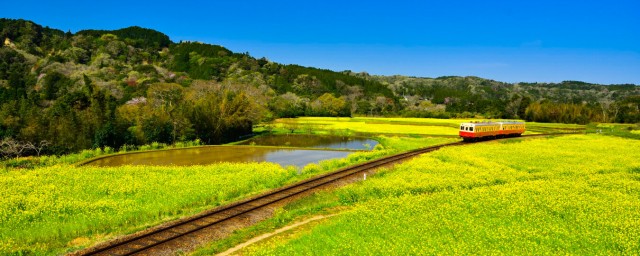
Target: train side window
{"x": 471, "y": 128}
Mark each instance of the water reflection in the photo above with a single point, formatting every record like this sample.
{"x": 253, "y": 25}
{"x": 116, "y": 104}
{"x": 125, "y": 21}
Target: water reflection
{"x": 215, "y": 154}
{"x": 314, "y": 141}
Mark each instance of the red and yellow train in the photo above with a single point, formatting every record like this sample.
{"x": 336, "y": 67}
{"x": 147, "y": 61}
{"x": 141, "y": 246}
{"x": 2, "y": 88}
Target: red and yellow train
{"x": 474, "y": 131}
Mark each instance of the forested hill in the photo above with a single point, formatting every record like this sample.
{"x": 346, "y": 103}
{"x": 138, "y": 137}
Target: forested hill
{"x": 98, "y": 88}
{"x": 134, "y": 85}
{"x": 565, "y": 102}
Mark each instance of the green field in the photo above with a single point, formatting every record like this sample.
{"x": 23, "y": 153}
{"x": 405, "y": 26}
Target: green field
{"x": 51, "y": 206}
{"x": 397, "y": 126}
{"x": 577, "y": 194}
{"x": 631, "y": 131}
{"x": 54, "y": 209}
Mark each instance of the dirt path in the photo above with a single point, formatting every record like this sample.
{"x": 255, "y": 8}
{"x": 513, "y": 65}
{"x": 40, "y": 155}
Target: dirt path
{"x": 265, "y": 236}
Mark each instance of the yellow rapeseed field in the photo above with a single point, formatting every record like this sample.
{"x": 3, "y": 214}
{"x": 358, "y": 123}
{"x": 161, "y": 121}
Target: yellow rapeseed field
{"x": 404, "y": 126}
{"x": 364, "y": 126}
{"x": 577, "y": 194}
{"x": 44, "y": 209}
{"x": 59, "y": 208}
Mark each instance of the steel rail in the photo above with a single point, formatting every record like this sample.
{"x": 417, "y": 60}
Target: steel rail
{"x": 142, "y": 241}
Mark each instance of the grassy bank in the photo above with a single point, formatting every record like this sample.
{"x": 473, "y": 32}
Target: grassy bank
{"x": 55, "y": 209}
{"x": 397, "y": 126}
{"x": 50, "y": 206}
{"x": 51, "y": 160}
{"x": 631, "y": 131}
{"x": 574, "y": 194}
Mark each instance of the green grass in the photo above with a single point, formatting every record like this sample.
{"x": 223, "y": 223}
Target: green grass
{"x": 396, "y": 126}
{"x": 535, "y": 128}
{"x": 631, "y": 131}
{"x": 350, "y": 126}
{"x": 575, "y": 194}
{"x": 59, "y": 208}
{"x": 45, "y": 209}
{"x": 50, "y": 206}
{"x": 31, "y": 162}
{"x": 407, "y": 143}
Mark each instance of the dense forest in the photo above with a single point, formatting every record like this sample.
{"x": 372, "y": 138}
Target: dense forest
{"x": 96, "y": 88}
{"x": 565, "y": 102}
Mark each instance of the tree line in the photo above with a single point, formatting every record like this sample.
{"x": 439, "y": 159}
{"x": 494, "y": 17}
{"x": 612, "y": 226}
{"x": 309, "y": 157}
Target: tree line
{"x": 565, "y": 102}
{"x": 134, "y": 86}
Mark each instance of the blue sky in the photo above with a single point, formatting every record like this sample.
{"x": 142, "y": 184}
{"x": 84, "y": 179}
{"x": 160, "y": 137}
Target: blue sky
{"x": 511, "y": 41}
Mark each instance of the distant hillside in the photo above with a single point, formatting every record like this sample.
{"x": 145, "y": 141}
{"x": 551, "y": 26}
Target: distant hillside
{"x": 134, "y": 85}
{"x": 135, "y": 36}
{"x": 568, "y": 102}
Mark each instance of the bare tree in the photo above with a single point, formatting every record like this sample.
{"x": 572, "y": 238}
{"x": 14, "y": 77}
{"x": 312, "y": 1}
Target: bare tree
{"x": 40, "y": 146}
{"x": 10, "y": 147}
{"x": 605, "y": 105}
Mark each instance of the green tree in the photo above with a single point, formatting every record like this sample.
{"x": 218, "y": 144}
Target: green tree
{"x": 55, "y": 85}
{"x": 329, "y": 105}
{"x": 219, "y": 114}
{"x": 288, "y": 105}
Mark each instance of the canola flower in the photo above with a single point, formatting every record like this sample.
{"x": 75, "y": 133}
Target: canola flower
{"x": 565, "y": 195}
{"x": 405, "y": 126}
{"x": 333, "y": 124}
{"x": 60, "y": 208}
{"x": 46, "y": 208}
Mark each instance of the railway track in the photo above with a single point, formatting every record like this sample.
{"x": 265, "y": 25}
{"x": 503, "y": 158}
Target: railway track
{"x": 143, "y": 241}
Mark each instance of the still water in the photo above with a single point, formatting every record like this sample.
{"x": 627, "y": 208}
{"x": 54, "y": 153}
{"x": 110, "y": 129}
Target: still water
{"x": 314, "y": 141}
{"x": 215, "y": 154}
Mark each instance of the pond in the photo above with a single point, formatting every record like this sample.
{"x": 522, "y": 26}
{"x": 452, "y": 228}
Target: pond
{"x": 214, "y": 154}
{"x": 313, "y": 141}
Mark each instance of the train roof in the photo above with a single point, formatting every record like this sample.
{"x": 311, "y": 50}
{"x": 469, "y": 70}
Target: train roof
{"x": 489, "y": 123}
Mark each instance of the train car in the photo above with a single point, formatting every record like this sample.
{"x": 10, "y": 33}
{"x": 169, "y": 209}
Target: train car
{"x": 474, "y": 131}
